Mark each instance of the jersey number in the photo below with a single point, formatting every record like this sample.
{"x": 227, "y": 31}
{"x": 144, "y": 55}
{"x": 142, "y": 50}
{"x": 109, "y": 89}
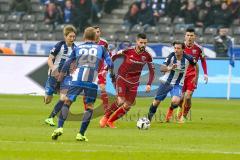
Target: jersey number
{"x": 88, "y": 55}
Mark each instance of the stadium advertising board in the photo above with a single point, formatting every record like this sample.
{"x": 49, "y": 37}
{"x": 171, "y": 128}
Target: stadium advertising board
{"x": 43, "y": 48}
{"x": 27, "y": 75}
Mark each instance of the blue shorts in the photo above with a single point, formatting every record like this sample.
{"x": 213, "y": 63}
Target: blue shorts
{"x": 164, "y": 88}
{"x": 89, "y": 89}
{"x": 50, "y": 86}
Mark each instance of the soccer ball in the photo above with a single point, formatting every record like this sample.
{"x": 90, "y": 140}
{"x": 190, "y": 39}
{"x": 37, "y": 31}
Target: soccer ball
{"x": 143, "y": 123}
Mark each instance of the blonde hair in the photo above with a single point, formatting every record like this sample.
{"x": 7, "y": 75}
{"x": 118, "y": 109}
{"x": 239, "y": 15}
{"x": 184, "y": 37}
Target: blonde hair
{"x": 89, "y": 34}
{"x": 68, "y": 29}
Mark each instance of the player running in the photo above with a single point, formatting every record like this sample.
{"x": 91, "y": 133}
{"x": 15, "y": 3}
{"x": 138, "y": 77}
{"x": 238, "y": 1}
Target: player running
{"x": 127, "y": 80}
{"x": 102, "y": 71}
{"x": 175, "y": 67}
{"x": 84, "y": 78}
{"x": 191, "y": 79}
{"x": 58, "y": 55}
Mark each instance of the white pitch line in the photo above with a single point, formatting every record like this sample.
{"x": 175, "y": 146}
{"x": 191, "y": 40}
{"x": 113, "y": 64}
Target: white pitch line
{"x": 186, "y": 150}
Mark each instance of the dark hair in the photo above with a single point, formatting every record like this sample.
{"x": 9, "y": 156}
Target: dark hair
{"x": 141, "y": 35}
{"x": 190, "y": 30}
{"x": 179, "y": 42}
{"x": 96, "y": 27}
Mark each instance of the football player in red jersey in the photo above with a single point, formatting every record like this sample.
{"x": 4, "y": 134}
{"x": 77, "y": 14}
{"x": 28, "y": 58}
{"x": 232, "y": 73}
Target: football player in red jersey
{"x": 127, "y": 80}
{"x": 102, "y": 71}
{"x": 190, "y": 82}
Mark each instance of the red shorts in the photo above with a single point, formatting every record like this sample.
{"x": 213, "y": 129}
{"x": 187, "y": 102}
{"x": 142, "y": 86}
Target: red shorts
{"x": 189, "y": 84}
{"x": 126, "y": 89}
{"x": 102, "y": 77}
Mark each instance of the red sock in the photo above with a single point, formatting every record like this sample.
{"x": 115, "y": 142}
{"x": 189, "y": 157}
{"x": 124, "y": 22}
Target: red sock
{"x": 169, "y": 113}
{"x": 84, "y": 103}
{"x": 104, "y": 98}
{"x": 111, "y": 109}
{"x": 186, "y": 110}
{"x": 117, "y": 114}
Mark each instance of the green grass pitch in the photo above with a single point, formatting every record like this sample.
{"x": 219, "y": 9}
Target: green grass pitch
{"x": 213, "y": 133}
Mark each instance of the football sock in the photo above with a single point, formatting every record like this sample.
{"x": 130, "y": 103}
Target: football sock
{"x": 173, "y": 106}
{"x": 111, "y": 109}
{"x": 104, "y": 98}
{"x": 56, "y": 109}
{"x": 152, "y": 111}
{"x": 86, "y": 120}
{"x": 117, "y": 114}
{"x": 187, "y": 107}
{"x": 63, "y": 115}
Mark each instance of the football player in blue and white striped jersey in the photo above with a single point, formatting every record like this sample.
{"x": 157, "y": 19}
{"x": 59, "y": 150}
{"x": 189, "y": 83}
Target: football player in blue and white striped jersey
{"x": 84, "y": 79}
{"x": 57, "y": 57}
{"x": 175, "y": 67}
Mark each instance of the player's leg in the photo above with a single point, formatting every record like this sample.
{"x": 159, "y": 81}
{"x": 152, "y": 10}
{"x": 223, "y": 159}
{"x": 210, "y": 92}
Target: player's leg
{"x": 72, "y": 94}
{"x": 121, "y": 91}
{"x": 180, "y": 108}
{"x": 182, "y": 102}
{"x": 176, "y": 93}
{"x": 127, "y": 99}
{"x": 190, "y": 87}
{"x": 124, "y": 107}
{"x": 162, "y": 92}
{"x": 49, "y": 89}
{"x": 188, "y": 103}
{"x": 174, "y": 104}
{"x": 90, "y": 93}
{"x": 63, "y": 91}
{"x": 102, "y": 86}
{"x": 56, "y": 110}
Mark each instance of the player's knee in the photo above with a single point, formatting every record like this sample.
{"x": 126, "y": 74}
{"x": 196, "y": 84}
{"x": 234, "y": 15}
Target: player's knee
{"x": 188, "y": 95}
{"x": 156, "y": 102}
{"x": 63, "y": 97}
{"x": 48, "y": 99}
{"x": 67, "y": 102}
{"x": 126, "y": 107}
{"x": 120, "y": 101}
{"x": 89, "y": 106}
{"x": 176, "y": 101}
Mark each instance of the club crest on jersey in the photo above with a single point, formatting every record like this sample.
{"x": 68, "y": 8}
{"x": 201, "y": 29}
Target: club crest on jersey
{"x": 143, "y": 58}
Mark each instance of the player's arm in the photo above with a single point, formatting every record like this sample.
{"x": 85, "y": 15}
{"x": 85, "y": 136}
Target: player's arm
{"x": 166, "y": 66}
{"x": 66, "y": 66}
{"x": 204, "y": 67}
{"x": 109, "y": 62}
{"x": 151, "y": 76}
{"x": 53, "y": 53}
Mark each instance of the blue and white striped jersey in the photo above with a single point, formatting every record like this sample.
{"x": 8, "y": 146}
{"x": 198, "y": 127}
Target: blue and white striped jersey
{"x": 61, "y": 52}
{"x": 87, "y": 56}
{"x": 177, "y": 76}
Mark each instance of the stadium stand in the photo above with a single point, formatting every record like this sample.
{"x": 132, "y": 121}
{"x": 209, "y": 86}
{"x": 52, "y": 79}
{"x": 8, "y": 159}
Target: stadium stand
{"x": 30, "y": 25}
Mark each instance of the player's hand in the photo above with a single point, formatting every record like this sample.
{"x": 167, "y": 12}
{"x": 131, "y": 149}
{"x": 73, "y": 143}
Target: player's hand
{"x": 174, "y": 66}
{"x": 148, "y": 88}
{"x": 205, "y": 78}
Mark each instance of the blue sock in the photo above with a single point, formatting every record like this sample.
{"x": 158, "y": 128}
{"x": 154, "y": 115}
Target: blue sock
{"x": 63, "y": 115}
{"x": 152, "y": 111}
{"x": 56, "y": 109}
{"x": 86, "y": 120}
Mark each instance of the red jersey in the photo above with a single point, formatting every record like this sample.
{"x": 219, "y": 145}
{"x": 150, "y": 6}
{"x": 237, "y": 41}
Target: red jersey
{"x": 197, "y": 52}
{"x": 103, "y": 43}
{"x": 131, "y": 68}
